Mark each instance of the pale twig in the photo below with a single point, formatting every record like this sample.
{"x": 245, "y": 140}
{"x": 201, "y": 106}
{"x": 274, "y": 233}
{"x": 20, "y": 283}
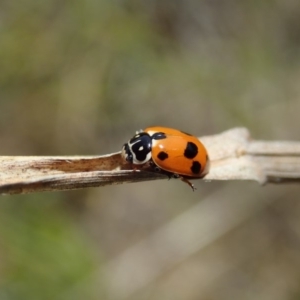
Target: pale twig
{"x": 233, "y": 156}
{"x": 188, "y": 233}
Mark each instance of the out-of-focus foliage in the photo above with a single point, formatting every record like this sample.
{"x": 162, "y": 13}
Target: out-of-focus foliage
{"x": 79, "y": 77}
{"x": 42, "y": 253}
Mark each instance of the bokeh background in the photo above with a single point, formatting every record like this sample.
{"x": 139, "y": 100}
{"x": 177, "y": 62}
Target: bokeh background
{"x": 79, "y": 78}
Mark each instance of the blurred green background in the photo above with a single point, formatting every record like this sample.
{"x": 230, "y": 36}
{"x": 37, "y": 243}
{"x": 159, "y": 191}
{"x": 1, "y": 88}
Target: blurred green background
{"x": 79, "y": 78}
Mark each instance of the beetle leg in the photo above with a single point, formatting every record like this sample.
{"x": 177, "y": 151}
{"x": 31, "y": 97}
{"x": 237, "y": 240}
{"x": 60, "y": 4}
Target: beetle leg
{"x": 188, "y": 182}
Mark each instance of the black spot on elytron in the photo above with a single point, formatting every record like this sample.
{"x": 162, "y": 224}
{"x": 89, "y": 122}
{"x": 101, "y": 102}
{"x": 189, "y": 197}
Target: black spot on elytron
{"x": 159, "y": 136}
{"x": 162, "y": 155}
{"x": 141, "y": 146}
{"x": 191, "y": 150}
{"x": 186, "y": 133}
{"x": 196, "y": 167}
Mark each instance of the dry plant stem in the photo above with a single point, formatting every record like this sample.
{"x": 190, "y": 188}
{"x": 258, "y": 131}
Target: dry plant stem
{"x": 233, "y": 155}
{"x": 25, "y": 174}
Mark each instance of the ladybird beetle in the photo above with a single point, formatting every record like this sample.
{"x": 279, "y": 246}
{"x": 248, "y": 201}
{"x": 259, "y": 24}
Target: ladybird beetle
{"x": 169, "y": 151}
